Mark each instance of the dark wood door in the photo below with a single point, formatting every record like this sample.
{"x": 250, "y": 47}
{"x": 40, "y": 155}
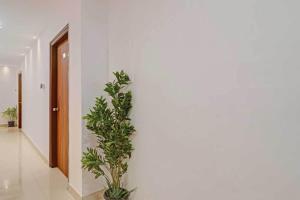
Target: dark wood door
{"x": 63, "y": 107}
{"x": 20, "y": 100}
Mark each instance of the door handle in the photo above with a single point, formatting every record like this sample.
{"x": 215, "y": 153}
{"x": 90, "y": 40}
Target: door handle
{"x": 55, "y": 109}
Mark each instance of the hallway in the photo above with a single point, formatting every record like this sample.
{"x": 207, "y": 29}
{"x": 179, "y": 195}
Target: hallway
{"x": 209, "y": 108}
{"x": 23, "y": 173}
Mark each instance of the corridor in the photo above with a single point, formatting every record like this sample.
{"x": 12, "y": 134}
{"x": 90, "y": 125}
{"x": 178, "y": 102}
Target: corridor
{"x": 177, "y": 99}
{"x": 24, "y": 175}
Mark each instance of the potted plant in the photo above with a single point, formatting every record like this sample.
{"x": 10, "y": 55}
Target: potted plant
{"x": 111, "y": 124}
{"x": 10, "y": 114}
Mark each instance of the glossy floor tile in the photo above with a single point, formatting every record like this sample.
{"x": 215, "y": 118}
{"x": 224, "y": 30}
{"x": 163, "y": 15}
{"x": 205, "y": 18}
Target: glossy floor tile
{"x": 23, "y": 173}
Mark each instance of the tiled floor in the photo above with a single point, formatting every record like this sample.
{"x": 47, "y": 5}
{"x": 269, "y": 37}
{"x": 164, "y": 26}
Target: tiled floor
{"x": 23, "y": 173}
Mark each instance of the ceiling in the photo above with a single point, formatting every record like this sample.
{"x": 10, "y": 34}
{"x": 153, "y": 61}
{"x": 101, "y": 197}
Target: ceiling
{"x": 21, "y": 21}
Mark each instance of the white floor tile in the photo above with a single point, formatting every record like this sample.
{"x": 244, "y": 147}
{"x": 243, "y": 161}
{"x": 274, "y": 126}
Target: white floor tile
{"x": 23, "y": 173}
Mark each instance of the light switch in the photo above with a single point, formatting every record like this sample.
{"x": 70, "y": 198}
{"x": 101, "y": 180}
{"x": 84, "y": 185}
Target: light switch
{"x": 42, "y": 86}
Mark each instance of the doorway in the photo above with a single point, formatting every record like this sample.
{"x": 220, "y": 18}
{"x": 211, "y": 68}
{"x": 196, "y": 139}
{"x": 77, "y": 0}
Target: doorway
{"x": 20, "y": 100}
{"x": 59, "y": 102}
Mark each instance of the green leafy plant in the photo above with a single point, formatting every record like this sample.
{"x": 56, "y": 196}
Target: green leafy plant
{"x": 112, "y": 126}
{"x": 10, "y": 114}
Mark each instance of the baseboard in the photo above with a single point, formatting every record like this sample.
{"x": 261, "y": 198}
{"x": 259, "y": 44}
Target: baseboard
{"x": 36, "y": 149}
{"x": 74, "y": 194}
{"x": 94, "y": 196}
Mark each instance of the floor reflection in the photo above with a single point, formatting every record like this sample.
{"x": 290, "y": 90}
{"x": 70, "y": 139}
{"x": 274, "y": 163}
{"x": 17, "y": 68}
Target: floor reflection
{"x": 23, "y": 173}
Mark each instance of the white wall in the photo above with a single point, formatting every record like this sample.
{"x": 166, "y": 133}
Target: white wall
{"x": 36, "y": 71}
{"x": 216, "y": 105}
{"x": 94, "y": 70}
{"x": 88, "y": 74}
{"x": 215, "y": 85}
{"x": 8, "y": 89}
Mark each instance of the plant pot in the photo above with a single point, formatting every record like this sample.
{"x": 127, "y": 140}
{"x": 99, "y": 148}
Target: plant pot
{"x": 11, "y": 124}
{"x": 107, "y": 198}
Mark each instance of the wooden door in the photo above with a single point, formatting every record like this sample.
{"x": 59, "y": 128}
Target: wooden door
{"x": 62, "y": 107}
{"x": 20, "y": 100}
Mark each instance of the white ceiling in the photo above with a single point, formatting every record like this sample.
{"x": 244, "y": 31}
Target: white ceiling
{"x": 21, "y": 20}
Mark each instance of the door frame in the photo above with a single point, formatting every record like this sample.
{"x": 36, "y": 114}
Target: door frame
{"x": 62, "y": 36}
{"x": 20, "y": 100}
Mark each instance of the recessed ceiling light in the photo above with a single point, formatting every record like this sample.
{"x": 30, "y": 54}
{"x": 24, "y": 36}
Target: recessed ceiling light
{"x": 34, "y": 37}
{"x": 22, "y": 54}
{"x": 27, "y": 47}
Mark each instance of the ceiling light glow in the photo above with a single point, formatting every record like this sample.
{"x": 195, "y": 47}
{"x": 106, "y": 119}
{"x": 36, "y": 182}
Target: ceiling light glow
{"x": 6, "y": 184}
{"x": 5, "y": 70}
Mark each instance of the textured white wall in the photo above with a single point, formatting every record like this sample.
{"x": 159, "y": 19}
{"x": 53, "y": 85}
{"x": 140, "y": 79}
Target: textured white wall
{"x": 216, "y": 87}
{"x": 36, "y": 71}
{"x": 8, "y": 89}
